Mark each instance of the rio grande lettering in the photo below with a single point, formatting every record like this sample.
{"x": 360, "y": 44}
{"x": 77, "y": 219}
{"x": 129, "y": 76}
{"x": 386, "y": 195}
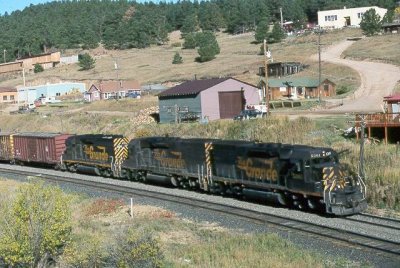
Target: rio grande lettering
{"x": 264, "y": 170}
{"x": 99, "y": 154}
{"x": 170, "y": 162}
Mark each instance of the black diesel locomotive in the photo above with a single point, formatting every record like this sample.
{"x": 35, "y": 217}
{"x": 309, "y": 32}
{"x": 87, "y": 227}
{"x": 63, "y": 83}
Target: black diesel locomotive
{"x": 298, "y": 176}
{"x": 294, "y": 175}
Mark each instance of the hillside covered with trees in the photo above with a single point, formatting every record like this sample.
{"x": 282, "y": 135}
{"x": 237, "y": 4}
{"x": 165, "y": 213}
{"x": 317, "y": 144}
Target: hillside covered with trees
{"x": 126, "y": 24}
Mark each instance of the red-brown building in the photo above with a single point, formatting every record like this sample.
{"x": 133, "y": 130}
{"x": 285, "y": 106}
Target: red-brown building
{"x": 384, "y": 125}
{"x": 8, "y": 95}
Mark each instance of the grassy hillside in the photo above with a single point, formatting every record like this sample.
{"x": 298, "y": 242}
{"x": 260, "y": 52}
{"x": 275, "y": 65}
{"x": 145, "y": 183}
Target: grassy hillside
{"x": 239, "y": 57}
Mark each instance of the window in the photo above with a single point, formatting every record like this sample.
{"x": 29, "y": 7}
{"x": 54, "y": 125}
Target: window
{"x": 359, "y": 15}
{"x": 331, "y": 18}
{"x": 4, "y": 98}
{"x": 297, "y": 170}
{"x": 12, "y": 97}
{"x": 58, "y": 94}
{"x": 326, "y": 87}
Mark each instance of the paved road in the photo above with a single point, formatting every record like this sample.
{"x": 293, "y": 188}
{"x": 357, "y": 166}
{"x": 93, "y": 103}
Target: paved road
{"x": 377, "y": 80}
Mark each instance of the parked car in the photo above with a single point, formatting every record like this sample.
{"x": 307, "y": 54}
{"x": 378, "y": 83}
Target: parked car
{"x": 248, "y": 114}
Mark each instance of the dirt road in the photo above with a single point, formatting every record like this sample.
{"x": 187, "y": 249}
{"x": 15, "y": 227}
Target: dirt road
{"x": 377, "y": 80}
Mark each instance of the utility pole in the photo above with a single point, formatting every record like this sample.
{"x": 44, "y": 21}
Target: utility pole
{"x": 319, "y": 64}
{"x": 267, "y": 55}
{"x": 361, "y": 171}
{"x": 4, "y": 55}
{"x": 280, "y": 10}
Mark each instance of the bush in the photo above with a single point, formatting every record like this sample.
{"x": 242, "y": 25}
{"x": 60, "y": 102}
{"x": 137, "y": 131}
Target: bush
{"x": 38, "y": 68}
{"x": 342, "y": 90}
{"x": 35, "y": 226}
{"x": 177, "y": 59}
{"x": 135, "y": 249}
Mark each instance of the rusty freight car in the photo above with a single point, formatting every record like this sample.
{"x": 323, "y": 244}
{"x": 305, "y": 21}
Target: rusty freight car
{"x": 44, "y": 148}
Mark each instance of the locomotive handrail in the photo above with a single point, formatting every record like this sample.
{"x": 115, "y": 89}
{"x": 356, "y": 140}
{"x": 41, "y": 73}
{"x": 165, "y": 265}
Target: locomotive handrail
{"x": 363, "y": 187}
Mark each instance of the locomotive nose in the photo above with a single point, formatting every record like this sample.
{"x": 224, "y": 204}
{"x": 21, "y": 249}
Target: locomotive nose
{"x": 344, "y": 193}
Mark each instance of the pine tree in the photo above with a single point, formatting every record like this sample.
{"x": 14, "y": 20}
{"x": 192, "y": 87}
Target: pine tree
{"x": 371, "y": 22}
{"x": 177, "y": 59}
{"x": 86, "y": 62}
{"x": 208, "y": 46}
{"x": 261, "y": 31}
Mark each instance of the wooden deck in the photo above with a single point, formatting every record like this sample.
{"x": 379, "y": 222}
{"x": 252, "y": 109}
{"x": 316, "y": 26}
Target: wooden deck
{"x": 389, "y": 123}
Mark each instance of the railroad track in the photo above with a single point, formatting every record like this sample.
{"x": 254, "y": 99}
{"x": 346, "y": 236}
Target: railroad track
{"x": 374, "y": 220}
{"x": 334, "y": 234}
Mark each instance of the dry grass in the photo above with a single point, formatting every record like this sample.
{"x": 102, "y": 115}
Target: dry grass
{"x": 382, "y": 48}
{"x": 239, "y": 58}
{"x": 183, "y": 242}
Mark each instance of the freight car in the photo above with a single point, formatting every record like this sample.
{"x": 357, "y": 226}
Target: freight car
{"x": 294, "y": 175}
{"x": 97, "y": 154}
{"x": 39, "y": 148}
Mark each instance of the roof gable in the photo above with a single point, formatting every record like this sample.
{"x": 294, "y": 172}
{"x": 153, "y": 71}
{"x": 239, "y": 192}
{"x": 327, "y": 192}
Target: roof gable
{"x": 114, "y": 86}
{"x": 395, "y": 97}
{"x": 193, "y": 87}
{"x": 7, "y": 89}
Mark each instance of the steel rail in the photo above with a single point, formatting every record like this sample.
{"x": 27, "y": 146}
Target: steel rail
{"x": 335, "y": 234}
{"x": 388, "y": 223}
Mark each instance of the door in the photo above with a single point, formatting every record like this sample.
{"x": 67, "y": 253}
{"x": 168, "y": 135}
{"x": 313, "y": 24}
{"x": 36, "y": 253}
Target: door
{"x": 231, "y": 103}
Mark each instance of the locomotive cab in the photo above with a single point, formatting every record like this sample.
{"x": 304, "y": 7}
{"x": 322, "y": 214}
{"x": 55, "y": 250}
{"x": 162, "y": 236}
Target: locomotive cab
{"x": 320, "y": 176}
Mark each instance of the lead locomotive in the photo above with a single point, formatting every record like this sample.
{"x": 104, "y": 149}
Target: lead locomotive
{"x": 294, "y": 175}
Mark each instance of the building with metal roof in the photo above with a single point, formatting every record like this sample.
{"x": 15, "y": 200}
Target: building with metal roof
{"x": 299, "y": 87}
{"x": 209, "y": 99}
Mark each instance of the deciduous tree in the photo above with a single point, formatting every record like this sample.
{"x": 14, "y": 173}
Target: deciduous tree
{"x": 35, "y": 227}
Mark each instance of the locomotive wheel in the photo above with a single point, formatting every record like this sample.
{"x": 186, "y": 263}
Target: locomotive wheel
{"x": 106, "y": 173}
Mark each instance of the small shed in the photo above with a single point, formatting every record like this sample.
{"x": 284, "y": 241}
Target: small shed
{"x": 112, "y": 89}
{"x": 299, "y": 87}
{"x": 209, "y": 99}
{"x": 279, "y": 69}
{"x": 393, "y": 27}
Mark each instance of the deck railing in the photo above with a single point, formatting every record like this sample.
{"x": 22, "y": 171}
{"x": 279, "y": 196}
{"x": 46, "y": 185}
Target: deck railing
{"x": 379, "y": 119}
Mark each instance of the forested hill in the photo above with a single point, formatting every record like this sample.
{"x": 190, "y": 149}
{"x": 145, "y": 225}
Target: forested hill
{"x": 126, "y": 24}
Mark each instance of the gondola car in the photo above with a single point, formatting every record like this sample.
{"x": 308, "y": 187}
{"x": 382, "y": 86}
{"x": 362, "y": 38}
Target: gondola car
{"x": 94, "y": 153}
{"x": 294, "y": 175}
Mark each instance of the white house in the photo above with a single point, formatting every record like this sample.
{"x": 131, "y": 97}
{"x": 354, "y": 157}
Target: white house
{"x": 339, "y": 18}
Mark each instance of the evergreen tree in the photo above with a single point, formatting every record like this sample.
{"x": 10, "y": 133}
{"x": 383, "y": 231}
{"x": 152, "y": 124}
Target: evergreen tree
{"x": 208, "y": 46}
{"x": 190, "y": 41}
{"x": 86, "y": 62}
{"x": 371, "y": 22}
{"x": 277, "y": 34}
{"x": 177, "y": 59}
{"x": 261, "y": 31}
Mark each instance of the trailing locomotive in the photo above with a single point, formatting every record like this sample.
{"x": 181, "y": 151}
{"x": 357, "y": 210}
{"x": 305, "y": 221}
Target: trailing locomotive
{"x": 96, "y": 154}
{"x": 294, "y": 175}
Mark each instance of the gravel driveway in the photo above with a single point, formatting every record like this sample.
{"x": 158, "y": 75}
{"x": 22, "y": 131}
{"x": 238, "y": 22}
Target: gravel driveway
{"x": 377, "y": 80}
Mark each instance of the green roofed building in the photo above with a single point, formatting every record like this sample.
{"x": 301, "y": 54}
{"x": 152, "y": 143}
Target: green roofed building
{"x": 299, "y": 87}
